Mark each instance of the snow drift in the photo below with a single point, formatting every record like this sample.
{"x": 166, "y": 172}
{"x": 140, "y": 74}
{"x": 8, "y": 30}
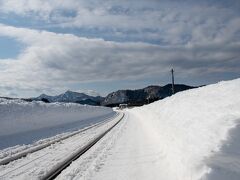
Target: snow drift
{"x": 24, "y": 122}
{"x": 198, "y": 132}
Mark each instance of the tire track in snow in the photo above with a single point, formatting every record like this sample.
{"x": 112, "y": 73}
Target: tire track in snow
{"x": 93, "y": 160}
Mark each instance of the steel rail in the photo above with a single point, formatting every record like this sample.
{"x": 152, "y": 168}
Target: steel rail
{"x": 33, "y": 149}
{"x": 53, "y": 173}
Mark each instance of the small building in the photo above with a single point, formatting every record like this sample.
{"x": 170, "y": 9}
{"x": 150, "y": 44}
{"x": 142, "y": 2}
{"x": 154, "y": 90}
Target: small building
{"x": 123, "y": 106}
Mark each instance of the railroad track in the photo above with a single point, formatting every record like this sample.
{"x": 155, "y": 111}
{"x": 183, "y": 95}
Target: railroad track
{"x": 39, "y": 147}
{"x": 25, "y": 165}
{"x": 58, "y": 169}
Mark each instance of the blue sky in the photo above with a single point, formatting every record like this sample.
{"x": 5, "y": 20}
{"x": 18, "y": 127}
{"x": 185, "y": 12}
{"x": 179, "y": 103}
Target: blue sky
{"x": 49, "y": 46}
{"x": 10, "y": 48}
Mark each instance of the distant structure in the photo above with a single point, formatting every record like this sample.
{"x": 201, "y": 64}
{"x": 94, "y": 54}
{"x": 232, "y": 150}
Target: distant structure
{"x": 173, "y": 91}
{"x": 123, "y": 106}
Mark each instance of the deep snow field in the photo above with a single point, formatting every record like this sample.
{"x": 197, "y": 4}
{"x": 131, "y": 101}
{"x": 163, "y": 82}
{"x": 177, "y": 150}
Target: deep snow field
{"x": 26, "y": 122}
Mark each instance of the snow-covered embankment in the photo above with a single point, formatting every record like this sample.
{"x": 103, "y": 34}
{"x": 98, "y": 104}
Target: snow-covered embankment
{"x": 25, "y": 122}
{"x": 197, "y": 132}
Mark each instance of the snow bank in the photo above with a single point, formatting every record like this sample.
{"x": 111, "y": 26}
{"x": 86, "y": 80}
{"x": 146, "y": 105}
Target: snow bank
{"x": 198, "y": 132}
{"x": 24, "y": 122}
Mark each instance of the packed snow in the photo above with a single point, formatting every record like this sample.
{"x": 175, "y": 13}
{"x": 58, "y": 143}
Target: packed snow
{"x": 197, "y": 132}
{"x": 26, "y": 122}
{"x": 192, "y": 135}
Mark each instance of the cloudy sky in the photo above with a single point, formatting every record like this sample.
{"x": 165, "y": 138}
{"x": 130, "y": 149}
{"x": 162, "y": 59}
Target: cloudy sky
{"x": 49, "y": 46}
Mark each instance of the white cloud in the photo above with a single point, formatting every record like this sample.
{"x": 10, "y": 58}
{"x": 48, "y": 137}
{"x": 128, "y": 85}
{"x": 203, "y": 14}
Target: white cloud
{"x": 55, "y": 61}
{"x": 175, "y": 22}
{"x": 196, "y": 38}
{"x": 90, "y": 92}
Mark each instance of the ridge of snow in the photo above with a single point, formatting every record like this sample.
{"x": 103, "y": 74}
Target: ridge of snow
{"x": 193, "y": 127}
{"x": 25, "y": 122}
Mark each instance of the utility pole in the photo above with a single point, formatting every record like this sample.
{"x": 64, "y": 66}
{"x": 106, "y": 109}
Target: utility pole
{"x": 148, "y": 98}
{"x": 173, "y": 91}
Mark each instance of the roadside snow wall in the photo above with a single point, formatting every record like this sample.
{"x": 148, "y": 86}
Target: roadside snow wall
{"x": 24, "y": 122}
{"x": 197, "y": 132}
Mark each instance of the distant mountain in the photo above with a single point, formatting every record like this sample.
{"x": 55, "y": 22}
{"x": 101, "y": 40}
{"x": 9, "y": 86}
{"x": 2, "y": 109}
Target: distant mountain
{"x": 70, "y": 96}
{"x": 136, "y": 97}
{"x": 142, "y": 96}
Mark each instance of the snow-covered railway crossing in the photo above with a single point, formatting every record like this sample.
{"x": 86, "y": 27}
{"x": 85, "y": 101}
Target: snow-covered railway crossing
{"x": 46, "y": 160}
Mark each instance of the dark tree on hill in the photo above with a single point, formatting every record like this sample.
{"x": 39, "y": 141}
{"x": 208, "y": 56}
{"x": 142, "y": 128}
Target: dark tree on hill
{"x": 45, "y": 100}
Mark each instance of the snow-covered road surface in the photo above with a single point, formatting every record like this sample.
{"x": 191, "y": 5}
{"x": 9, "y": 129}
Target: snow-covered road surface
{"x": 136, "y": 155}
{"x": 38, "y": 164}
{"x": 128, "y": 152}
{"x": 193, "y": 135}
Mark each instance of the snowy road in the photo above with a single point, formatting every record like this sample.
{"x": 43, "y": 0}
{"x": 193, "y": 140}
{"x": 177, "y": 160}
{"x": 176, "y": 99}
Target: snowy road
{"x": 125, "y": 153}
{"x": 136, "y": 154}
{"x": 38, "y": 164}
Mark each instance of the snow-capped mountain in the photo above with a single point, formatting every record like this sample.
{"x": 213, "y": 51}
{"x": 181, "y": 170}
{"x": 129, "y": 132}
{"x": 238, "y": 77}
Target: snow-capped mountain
{"x": 70, "y": 96}
{"x": 132, "y": 97}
